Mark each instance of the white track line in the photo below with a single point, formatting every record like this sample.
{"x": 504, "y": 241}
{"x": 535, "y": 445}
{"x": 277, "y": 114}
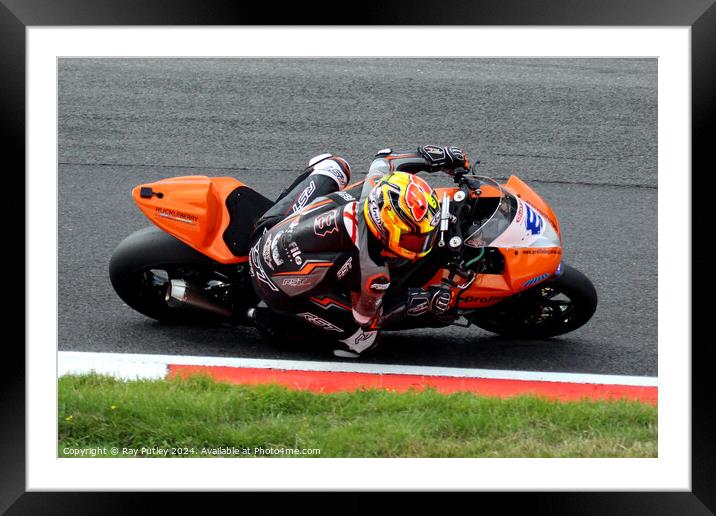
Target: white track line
{"x": 126, "y": 365}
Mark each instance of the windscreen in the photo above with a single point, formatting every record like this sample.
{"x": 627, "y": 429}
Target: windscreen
{"x": 493, "y": 214}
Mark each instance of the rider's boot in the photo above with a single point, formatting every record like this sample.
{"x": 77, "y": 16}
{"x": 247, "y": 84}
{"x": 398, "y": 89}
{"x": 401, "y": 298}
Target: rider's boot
{"x": 358, "y": 344}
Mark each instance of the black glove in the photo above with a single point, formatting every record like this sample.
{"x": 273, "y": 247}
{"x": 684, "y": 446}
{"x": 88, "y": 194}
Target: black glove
{"x": 444, "y": 158}
{"x": 440, "y": 299}
{"x": 416, "y": 302}
{"x": 436, "y": 299}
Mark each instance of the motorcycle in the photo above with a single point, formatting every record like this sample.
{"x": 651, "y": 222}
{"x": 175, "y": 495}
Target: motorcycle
{"x": 499, "y": 247}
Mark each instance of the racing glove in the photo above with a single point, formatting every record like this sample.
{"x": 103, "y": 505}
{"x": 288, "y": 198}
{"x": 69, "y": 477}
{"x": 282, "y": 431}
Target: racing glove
{"x": 436, "y": 299}
{"x": 440, "y": 299}
{"x": 444, "y": 158}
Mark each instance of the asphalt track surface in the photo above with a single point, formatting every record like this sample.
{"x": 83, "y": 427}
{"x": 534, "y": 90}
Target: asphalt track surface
{"x": 582, "y": 132}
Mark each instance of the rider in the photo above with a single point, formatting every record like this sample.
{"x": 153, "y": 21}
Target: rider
{"x": 323, "y": 253}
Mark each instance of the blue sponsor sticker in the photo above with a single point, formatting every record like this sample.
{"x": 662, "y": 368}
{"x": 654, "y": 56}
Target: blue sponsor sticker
{"x": 533, "y": 221}
{"x": 559, "y": 270}
{"x": 535, "y": 280}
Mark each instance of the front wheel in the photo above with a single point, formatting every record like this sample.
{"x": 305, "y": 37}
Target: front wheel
{"x": 555, "y": 307}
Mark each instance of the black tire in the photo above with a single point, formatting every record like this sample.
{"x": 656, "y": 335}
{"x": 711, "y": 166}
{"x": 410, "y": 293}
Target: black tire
{"x": 150, "y": 249}
{"x": 539, "y": 312}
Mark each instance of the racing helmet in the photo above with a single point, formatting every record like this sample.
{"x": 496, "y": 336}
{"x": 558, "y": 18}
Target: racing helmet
{"x": 403, "y": 212}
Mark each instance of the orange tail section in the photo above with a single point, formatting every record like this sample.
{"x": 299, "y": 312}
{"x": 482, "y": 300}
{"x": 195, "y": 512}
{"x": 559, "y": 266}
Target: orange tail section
{"x": 193, "y": 209}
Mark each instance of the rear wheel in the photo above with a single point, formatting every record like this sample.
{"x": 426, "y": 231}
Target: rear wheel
{"x": 147, "y": 264}
{"x": 555, "y": 307}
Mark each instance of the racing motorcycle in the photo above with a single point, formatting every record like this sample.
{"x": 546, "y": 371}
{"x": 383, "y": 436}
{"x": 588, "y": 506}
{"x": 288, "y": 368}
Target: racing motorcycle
{"x": 499, "y": 247}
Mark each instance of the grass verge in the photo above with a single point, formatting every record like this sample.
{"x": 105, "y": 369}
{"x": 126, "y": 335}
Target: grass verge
{"x": 101, "y": 416}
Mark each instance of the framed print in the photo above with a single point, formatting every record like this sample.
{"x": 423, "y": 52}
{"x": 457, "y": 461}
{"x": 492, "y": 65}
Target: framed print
{"x": 601, "y": 109}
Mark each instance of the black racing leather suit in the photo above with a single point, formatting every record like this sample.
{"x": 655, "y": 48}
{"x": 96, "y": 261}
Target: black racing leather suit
{"x": 314, "y": 258}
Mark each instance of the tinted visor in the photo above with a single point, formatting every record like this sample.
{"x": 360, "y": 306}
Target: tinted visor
{"x": 417, "y": 243}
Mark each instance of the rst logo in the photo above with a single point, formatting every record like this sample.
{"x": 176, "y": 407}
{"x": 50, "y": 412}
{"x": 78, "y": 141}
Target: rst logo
{"x": 379, "y": 283}
{"x": 345, "y": 268}
{"x": 325, "y": 224}
{"x": 321, "y": 323}
{"x": 303, "y": 198}
{"x": 295, "y": 282}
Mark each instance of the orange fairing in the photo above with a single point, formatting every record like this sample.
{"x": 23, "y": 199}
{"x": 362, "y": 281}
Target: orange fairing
{"x": 517, "y": 187}
{"x": 487, "y": 289}
{"x": 193, "y": 209}
{"x": 524, "y": 266}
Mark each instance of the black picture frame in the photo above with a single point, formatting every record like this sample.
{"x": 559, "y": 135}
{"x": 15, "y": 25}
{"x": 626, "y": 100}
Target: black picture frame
{"x": 17, "y": 15}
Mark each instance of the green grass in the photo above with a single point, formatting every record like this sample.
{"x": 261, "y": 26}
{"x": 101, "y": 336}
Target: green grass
{"x": 199, "y": 415}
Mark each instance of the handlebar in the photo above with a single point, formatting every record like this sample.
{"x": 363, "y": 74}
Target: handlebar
{"x": 469, "y": 183}
{"x": 459, "y": 174}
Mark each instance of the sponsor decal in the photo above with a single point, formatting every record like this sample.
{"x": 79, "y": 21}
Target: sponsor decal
{"x": 536, "y": 280}
{"x": 275, "y": 254}
{"x": 325, "y": 224}
{"x": 379, "y": 284}
{"x": 294, "y": 285}
{"x": 179, "y": 216}
{"x": 477, "y": 299}
{"x": 533, "y": 221}
{"x": 345, "y": 195}
{"x": 546, "y": 250}
{"x": 364, "y": 336}
{"x": 266, "y": 252}
{"x": 257, "y": 269}
{"x": 436, "y": 219}
{"x": 345, "y": 268}
{"x": 321, "y": 323}
{"x": 303, "y": 198}
{"x": 295, "y": 282}
{"x": 374, "y": 212}
{"x": 330, "y": 168}
{"x": 338, "y": 174}
{"x": 559, "y": 270}
{"x": 360, "y": 340}
{"x": 435, "y": 153}
{"x": 520, "y": 212}
{"x": 295, "y": 252}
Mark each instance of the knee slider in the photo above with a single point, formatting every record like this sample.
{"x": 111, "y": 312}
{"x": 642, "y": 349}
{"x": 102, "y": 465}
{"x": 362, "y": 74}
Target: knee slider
{"x": 331, "y": 166}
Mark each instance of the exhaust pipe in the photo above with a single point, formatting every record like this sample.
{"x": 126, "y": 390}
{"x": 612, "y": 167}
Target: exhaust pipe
{"x": 179, "y": 294}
